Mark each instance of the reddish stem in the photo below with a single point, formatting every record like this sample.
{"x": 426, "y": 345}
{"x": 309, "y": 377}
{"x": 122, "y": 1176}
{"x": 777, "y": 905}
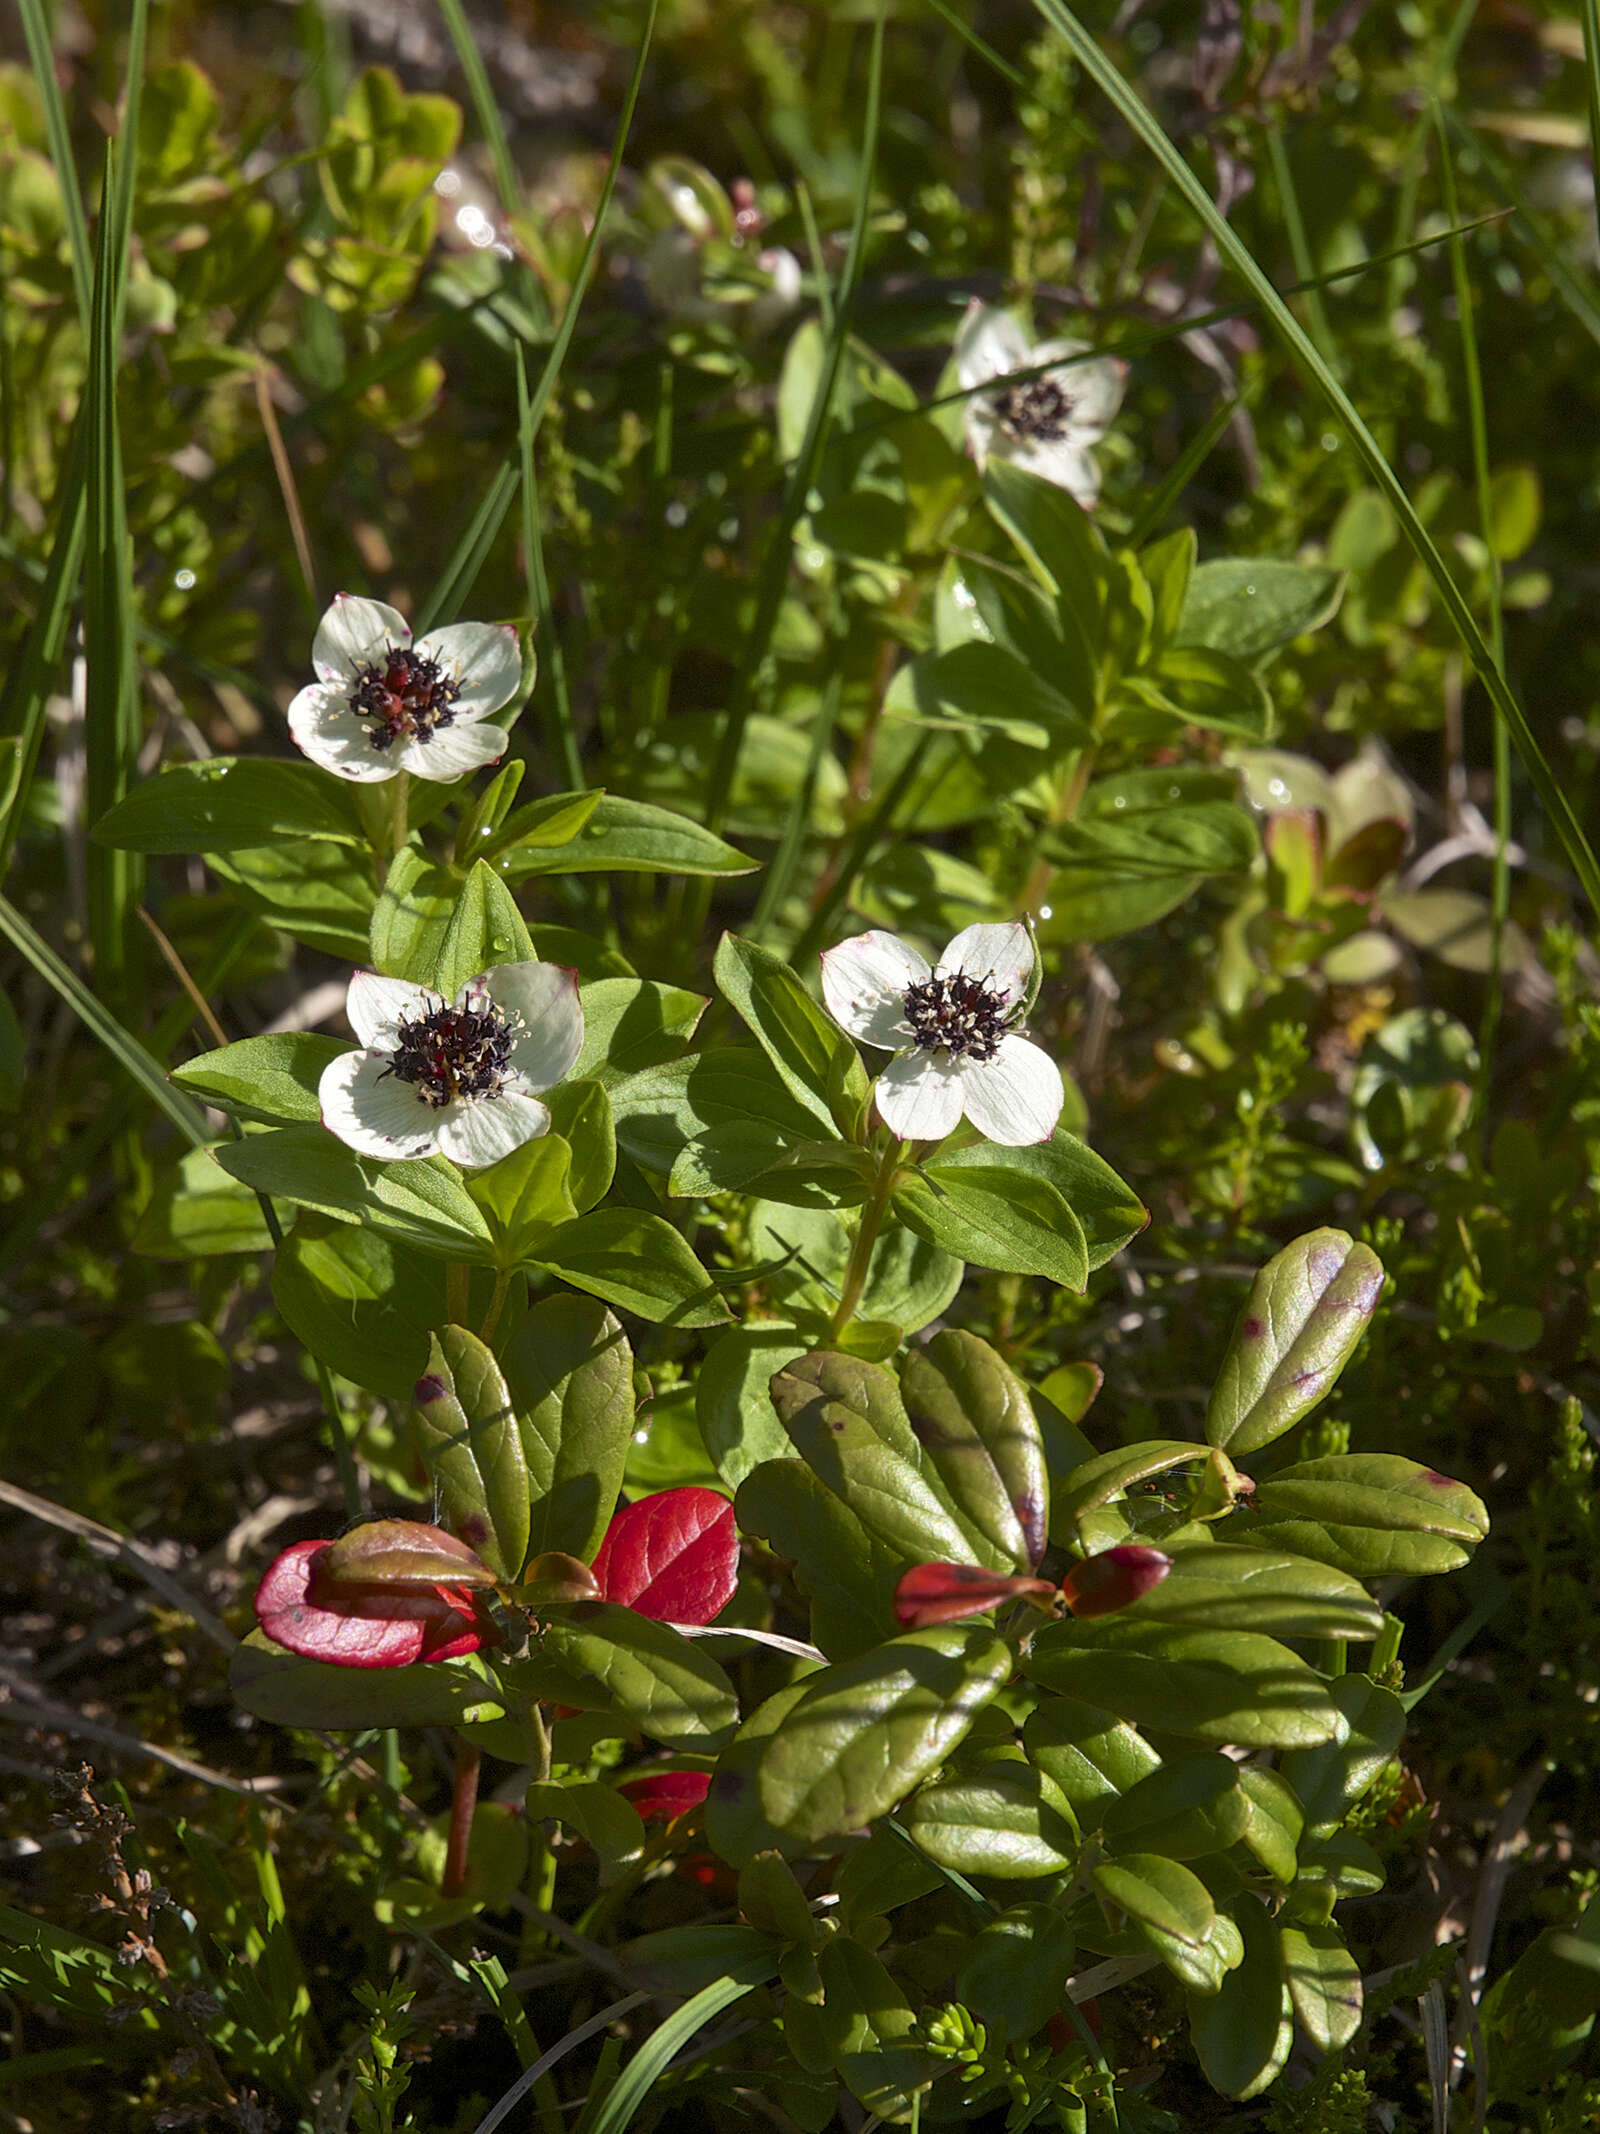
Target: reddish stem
{"x": 464, "y": 1800}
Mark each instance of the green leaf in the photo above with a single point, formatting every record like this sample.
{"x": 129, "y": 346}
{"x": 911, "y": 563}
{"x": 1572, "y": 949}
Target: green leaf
{"x": 845, "y": 1569}
{"x": 1205, "y": 688}
{"x": 524, "y": 1196}
{"x": 595, "y": 1811}
{"x": 362, "y": 1304}
{"x": 1276, "y": 1821}
{"x": 1001, "y": 1821}
{"x": 1090, "y": 1757}
{"x": 972, "y": 1416}
{"x": 661, "y": 1108}
{"x": 635, "y": 1261}
{"x": 485, "y": 929}
{"x": 629, "y": 837}
{"x": 580, "y": 1114}
{"x": 412, "y": 917}
{"x": 1105, "y": 1207}
{"x": 733, "y": 1406}
{"x": 866, "y": 1731}
{"x": 1324, "y": 1982}
{"x": 317, "y": 892}
{"x": 847, "y": 1422}
{"x": 196, "y": 1211}
{"x": 1307, "y": 1309}
{"x": 1014, "y": 1974}
{"x": 909, "y": 1282}
{"x": 422, "y": 1204}
{"x": 630, "y": 1024}
{"x": 1227, "y": 1687}
{"x": 229, "y": 804}
{"x": 811, "y": 1054}
{"x": 984, "y": 685}
{"x": 273, "y": 1078}
{"x": 1330, "y": 1779}
{"x": 1372, "y": 1514}
{"x": 680, "y": 1960}
{"x": 1059, "y": 539}
{"x": 736, "y": 1829}
{"x": 667, "y": 1685}
{"x": 1160, "y": 1905}
{"x": 570, "y": 1373}
{"x": 1243, "y": 2032}
{"x": 469, "y": 1438}
{"x": 1249, "y": 606}
{"x": 1224, "y": 1587}
{"x": 551, "y": 821}
{"x": 1094, "y": 1482}
{"x": 742, "y": 1156}
{"x": 996, "y": 1217}
{"x": 1191, "y": 1806}
{"x": 280, "y": 1686}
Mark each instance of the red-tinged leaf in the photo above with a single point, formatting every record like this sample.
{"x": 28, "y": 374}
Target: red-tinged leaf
{"x": 944, "y": 1592}
{"x": 673, "y": 1557}
{"x": 1113, "y": 1579}
{"x": 362, "y": 1625}
{"x": 668, "y": 1795}
{"x": 555, "y": 1576}
{"x": 391, "y": 1552}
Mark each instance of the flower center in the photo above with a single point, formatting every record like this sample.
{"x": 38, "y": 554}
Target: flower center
{"x": 454, "y": 1052}
{"x": 1037, "y": 408}
{"x": 406, "y": 695}
{"x": 960, "y": 1015}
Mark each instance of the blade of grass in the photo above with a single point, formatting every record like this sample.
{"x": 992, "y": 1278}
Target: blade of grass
{"x": 777, "y": 562}
{"x": 548, "y": 644}
{"x": 1478, "y": 429}
{"x": 668, "y": 2039}
{"x": 1148, "y": 128}
{"x": 455, "y": 581}
{"x": 780, "y": 872}
{"x": 36, "y": 29}
{"x": 1550, "y": 249}
{"x": 122, "y": 1045}
{"x": 1300, "y": 250}
{"x": 111, "y": 738}
{"x": 1590, "y": 13}
{"x": 38, "y": 667}
{"x": 1411, "y": 162}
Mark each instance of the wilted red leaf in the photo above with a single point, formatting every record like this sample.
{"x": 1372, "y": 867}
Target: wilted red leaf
{"x": 1114, "y": 1579}
{"x": 354, "y": 1625}
{"x": 673, "y": 1556}
{"x": 668, "y": 1794}
{"x": 944, "y": 1592}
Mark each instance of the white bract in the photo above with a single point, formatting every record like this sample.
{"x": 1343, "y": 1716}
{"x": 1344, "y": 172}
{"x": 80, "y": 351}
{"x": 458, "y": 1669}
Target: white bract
{"x": 953, "y": 1028}
{"x": 1048, "y": 423}
{"x": 381, "y": 704}
{"x": 458, "y": 1079}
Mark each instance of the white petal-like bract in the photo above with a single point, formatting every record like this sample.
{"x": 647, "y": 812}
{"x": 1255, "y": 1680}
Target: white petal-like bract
{"x": 1002, "y": 955}
{"x": 545, "y": 998}
{"x": 485, "y": 659}
{"x": 864, "y": 983}
{"x": 352, "y": 631}
{"x": 1016, "y": 1097}
{"x": 377, "y": 1006}
{"x": 452, "y": 751}
{"x": 323, "y": 727}
{"x": 920, "y": 1095}
{"x": 478, "y": 1131}
{"x": 372, "y": 1111}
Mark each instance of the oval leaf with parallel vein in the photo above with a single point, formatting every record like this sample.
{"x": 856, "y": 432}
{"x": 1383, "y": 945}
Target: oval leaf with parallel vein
{"x": 468, "y": 1436}
{"x": 869, "y": 1730}
{"x": 973, "y": 1418}
{"x": 1307, "y": 1309}
{"x": 1222, "y": 1687}
{"x": 1304, "y": 1315}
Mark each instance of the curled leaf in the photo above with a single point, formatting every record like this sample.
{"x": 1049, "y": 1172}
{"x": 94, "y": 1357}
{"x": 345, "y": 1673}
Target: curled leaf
{"x": 1114, "y": 1579}
{"x": 400, "y": 1552}
{"x": 944, "y": 1592}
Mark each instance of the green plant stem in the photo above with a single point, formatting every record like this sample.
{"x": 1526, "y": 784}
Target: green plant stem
{"x": 497, "y": 1300}
{"x": 866, "y": 1238}
{"x": 457, "y": 1291}
{"x": 469, "y": 1759}
{"x": 399, "y": 805}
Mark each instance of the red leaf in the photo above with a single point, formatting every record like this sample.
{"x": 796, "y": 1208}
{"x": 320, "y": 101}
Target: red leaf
{"x": 362, "y": 1626}
{"x": 1114, "y": 1578}
{"x": 944, "y": 1592}
{"x": 673, "y": 1556}
{"x": 668, "y": 1795}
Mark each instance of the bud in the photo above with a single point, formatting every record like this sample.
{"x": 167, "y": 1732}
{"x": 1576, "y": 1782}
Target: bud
{"x": 557, "y": 1577}
{"x": 1114, "y": 1579}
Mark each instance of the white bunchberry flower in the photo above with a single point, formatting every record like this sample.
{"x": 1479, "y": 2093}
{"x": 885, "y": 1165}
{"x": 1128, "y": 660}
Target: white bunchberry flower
{"x": 461, "y": 1080}
{"x": 952, "y": 1028}
{"x": 381, "y": 704}
{"x": 1046, "y": 424}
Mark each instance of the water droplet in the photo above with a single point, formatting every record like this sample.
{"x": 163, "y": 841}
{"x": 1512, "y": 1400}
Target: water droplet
{"x": 1276, "y": 789}
{"x": 183, "y": 580}
{"x": 1249, "y": 592}
{"x": 1046, "y": 911}
{"x": 1119, "y": 800}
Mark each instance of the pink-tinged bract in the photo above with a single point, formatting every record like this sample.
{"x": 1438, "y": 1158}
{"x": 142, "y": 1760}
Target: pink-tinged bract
{"x": 673, "y": 1556}
{"x": 666, "y": 1796}
{"x": 355, "y": 1624}
{"x": 944, "y": 1592}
